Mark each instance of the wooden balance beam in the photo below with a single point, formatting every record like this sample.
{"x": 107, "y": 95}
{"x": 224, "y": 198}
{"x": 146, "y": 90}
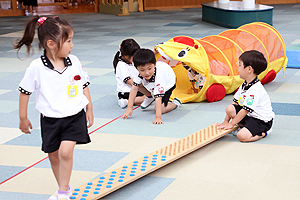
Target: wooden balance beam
{"x": 112, "y": 181}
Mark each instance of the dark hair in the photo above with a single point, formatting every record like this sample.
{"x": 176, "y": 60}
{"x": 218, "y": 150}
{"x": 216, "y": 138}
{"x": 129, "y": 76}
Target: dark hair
{"x": 127, "y": 48}
{"x": 55, "y": 29}
{"x": 143, "y": 57}
{"x": 255, "y": 59}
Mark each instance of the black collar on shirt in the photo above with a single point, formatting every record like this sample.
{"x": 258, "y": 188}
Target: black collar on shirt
{"x": 152, "y": 79}
{"x": 244, "y": 87}
{"x": 47, "y": 63}
{"x": 121, "y": 59}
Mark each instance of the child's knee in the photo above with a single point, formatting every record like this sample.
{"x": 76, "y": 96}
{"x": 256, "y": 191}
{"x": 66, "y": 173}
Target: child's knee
{"x": 53, "y": 157}
{"x": 244, "y": 135}
{"x": 242, "y": 138}
{"x": 66, "y": 155}
{"x": 66, "y": 150}
{"x": 230, "y": 110}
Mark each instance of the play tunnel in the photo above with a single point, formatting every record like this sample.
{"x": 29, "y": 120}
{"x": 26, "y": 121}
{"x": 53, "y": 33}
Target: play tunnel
{"x": 215, "y": 59}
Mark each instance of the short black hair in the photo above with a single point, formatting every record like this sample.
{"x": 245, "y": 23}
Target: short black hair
{"x": 143, "y": 57}
{"x": 255, "y": 59}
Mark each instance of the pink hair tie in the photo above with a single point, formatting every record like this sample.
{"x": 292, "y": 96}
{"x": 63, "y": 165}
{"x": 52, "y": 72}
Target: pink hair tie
{"x": 41, "y": 20}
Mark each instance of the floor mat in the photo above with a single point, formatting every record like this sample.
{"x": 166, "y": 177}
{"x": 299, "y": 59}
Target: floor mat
{"x": 293, "y": 55}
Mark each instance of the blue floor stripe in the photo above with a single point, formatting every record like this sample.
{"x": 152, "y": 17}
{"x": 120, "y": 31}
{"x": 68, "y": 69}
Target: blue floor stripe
{"x": 181, "y": 24}
{"x": 286, "y": 109}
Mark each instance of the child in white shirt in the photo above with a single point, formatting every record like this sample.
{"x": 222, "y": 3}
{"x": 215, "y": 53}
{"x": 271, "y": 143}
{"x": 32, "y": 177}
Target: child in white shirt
{"x": 156, "y": 78}
{"x": 125, "y": 71}
{"x": 251, "y": 107}
{"x": 62, "y": 97}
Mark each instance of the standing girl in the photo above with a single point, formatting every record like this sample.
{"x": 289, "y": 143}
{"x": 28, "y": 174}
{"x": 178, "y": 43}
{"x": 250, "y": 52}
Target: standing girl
{"x": 62, "y": 96}
{"x": 30, "y": 3}
{"x": 125, "y": 71}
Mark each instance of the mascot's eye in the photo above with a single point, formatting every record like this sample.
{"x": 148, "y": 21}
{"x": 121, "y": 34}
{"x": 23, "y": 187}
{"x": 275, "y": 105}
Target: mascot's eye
{"x": 183, "y": 53}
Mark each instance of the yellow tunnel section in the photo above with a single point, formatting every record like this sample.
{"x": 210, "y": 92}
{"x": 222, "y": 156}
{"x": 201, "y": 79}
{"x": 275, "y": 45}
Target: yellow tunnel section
{"x": 216, "y": 57}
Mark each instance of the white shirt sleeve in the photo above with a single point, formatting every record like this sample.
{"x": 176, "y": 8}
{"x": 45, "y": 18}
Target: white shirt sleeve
{"x": 83, "y": 74}
{"x": 137, "y": 80}
{"x": 159, "y": 89}
{"x": 29, "y": 82}
{"x": 123, "y": 72}
{"x": 237, "y": 97}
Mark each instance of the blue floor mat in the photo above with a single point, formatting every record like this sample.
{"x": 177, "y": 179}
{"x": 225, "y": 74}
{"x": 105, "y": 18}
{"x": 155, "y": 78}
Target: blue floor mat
{"x": 293, "y": 55}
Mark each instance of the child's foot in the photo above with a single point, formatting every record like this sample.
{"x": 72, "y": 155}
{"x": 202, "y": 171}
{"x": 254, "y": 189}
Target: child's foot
{"x": 147, "y": 102}
{"x": 235, "y": 132}
{"x": 34, "y": 13}
{"x": 63, "y": 197}
{"x": 177, "y": 102}
{"x": 54, "y": 196}
{"x": 123, "y": 103}
{"x": 27, "y": 13}
{"x": 268, "y": 132}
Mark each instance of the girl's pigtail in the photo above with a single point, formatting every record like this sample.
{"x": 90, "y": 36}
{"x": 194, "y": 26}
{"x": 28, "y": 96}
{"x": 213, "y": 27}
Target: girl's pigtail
{"x": 116, "y": 60}
{"x": 27, "y": 36}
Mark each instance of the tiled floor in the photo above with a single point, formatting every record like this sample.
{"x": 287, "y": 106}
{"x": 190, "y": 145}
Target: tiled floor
{"x": 225, "y": 169}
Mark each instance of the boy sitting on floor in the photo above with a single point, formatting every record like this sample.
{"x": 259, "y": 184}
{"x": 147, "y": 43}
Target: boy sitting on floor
{"x": 156, "y": 78}
{"x": 251, "y": 107}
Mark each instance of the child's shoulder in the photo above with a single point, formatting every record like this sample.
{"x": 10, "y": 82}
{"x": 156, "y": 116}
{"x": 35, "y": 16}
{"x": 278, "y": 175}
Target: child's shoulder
{"x": 258, "y": 88}
{"x": 121, "y": 63}
{"x": 258, "y": 84}
{"x": 73, "y": 57}
{"x": 163, "y": 67}
{"x": 36, "y": 63}
{"x": 162, "y": 64}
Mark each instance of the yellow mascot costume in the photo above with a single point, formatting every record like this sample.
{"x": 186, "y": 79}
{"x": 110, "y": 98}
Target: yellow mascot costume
{"x": 207, "y": 69}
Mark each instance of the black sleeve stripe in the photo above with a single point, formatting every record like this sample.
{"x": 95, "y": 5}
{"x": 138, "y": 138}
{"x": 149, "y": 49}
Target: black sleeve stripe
{"x": 158, "y": 95}
{"x": 135, "y": 84}
{"x": 126, "y": 79}
{"x": 248, "y": 109}
{"x": 86, "y": 84}
{"x": 24, "y": 91}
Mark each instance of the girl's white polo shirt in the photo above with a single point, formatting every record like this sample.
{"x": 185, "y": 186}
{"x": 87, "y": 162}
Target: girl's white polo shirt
{"x": 58, "y": 94}
{"x": 163, "y": 79}
{"x": 124, "y": 72}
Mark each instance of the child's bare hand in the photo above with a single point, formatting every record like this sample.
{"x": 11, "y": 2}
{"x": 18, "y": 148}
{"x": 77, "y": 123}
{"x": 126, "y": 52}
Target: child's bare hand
{"x": 25, "y": 125}
{"x": 221, "y": 126}
{"x": 89, "y": 118}
{"x": 127, "y": 113}
{"x": 225, "y": 125}
{"x": 157, "y": 121}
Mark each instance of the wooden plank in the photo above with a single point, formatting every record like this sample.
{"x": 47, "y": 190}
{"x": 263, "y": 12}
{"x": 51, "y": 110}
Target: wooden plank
{"x": 122, "y": 176}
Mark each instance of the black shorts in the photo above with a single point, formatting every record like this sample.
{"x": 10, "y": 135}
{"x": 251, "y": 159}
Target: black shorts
{"x": 55, "y": 130}
{"x": 254, "y": 125}
{"x": 30, "y": 3}
{"x": 166, "y": 97}
{"x": 125, "y": 95}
